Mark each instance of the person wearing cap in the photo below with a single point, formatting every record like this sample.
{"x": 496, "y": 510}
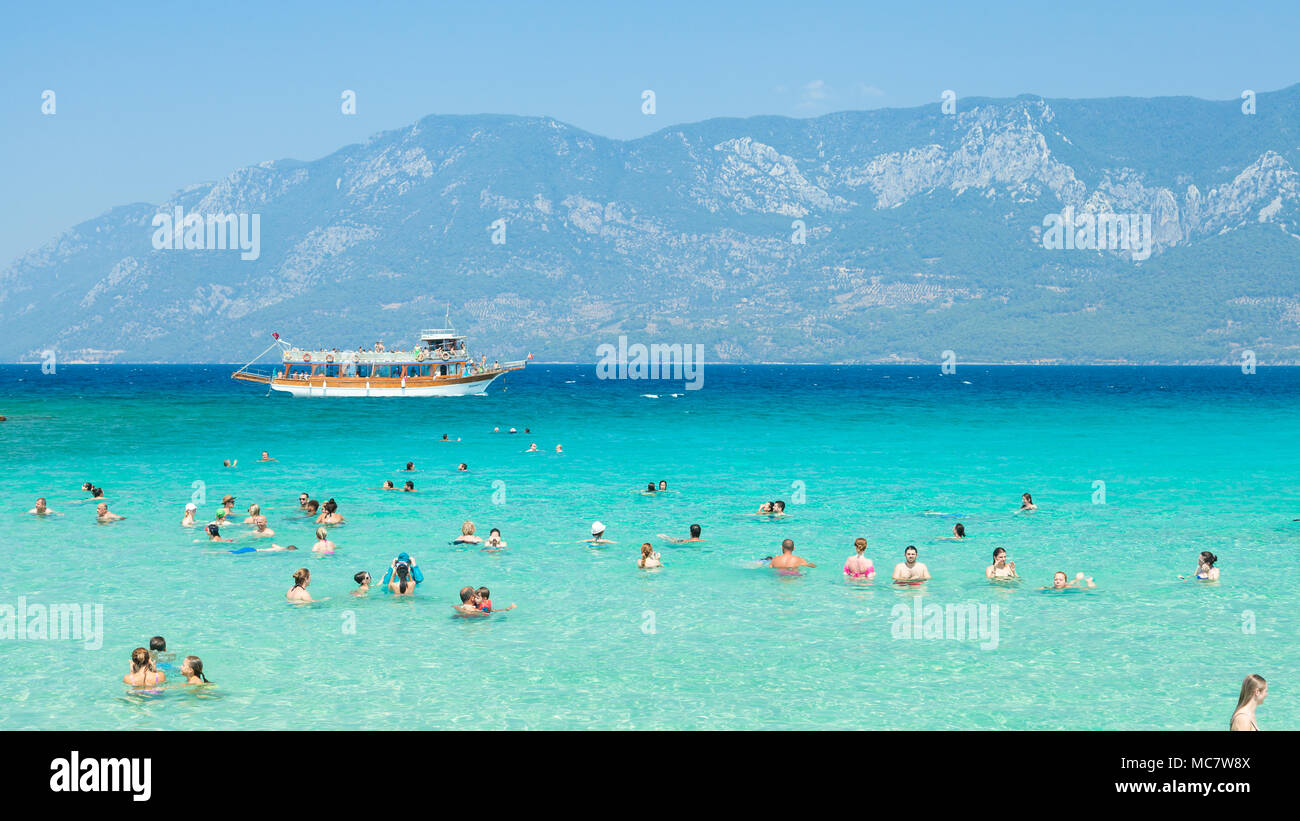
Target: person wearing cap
{"x": 191, "y": 510}
{"x": 597, "y": 535}
{"x": 417, "y": 575}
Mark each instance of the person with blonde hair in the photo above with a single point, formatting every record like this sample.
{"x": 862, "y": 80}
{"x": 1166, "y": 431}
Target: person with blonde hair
{"x": 323, "y": 543}
{"x": 253, "y": 512}
{"x": 649, "y": 558}
{"x": 1253, "y": 691}
{"x": 467, "y": 535}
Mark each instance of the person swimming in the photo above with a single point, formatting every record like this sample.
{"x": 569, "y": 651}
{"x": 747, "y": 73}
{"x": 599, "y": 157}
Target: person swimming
{"x": 158, "y": 652}
{"x": 303, "y": 499}
{"x": 260, "y": 530}
{"x": 483, "y": 597}
{"x": 469, "y": 603}
{"x": 363, "y": 581}
{"x": 695, "y": 536}
{"x": 1254, "y": 689}
{"x": 1027, "y": 502}
{"x": 663, "y": 485}
{"x": 266, "y": 457}
{"x": 958, "y": 532}
{"x": 467, "y": 535}
{"x": 462, "y": 467}
{"x": 1060, "y": 581}
{"x": 143, "y": 672}
{"x": 191, "y": 510}
{"x": 298, "y": 593}
{"x": 214, "y": 534}
{"x": 597, "y": 535}
{"x": 388, "y": 485}
{"x": 323, "y": 543}
{"x": 649, "y": 489}
{"x": 192, "y": 666}
{"x": 858, "y": 566}
{"x": 103, "y": 516}
{"x": 910, "y": 571}
{"x": 532, "y": 448}
{"x": 649, "y": 558}
{"x": 1001, "y": 568}
{"x": 408, "y": 487}
{"x": 1205, "y": 569}
{"x": 494, "y": 539}
{"x": 788, "y": 560}
{"x": 311, "y": 507}
{"x": 41, "y": 509}
{"x": 409, "y": 466}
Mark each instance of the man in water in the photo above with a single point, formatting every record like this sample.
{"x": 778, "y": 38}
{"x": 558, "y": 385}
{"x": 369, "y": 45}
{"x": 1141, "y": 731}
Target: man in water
{"x": 1060, "y": 581}
{"x": 229, "y": 463}
{"x": 41, "y": 509}
{"x": 910, "y": 571}
{"x": 266, "y": 457}
{"x": 260, "y": 529}
{"x": 102, "y": 514}
{"x": 695, "y": 536}
{"x": 468, "y": 603}
{"x": 303, "y": 498}
{"x": 787, "y": 560}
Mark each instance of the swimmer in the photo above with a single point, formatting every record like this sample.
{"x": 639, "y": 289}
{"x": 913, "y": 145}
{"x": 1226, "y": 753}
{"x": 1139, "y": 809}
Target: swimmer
{"x": 649, "y": 558}
{"x": 1060, "y": 581}
{"x": 910, "y": 571}
{"x": 298, "y": 593}
{"x": 323, "y": 543}
{"x": 1205, "y": 569}
{"x": 228, "y": 502}
{"x": 1254, "y": 689}
{"x": 597, "y": 535}
{"x": 462, "y": 467}
{"x": 219, "y": 518}
{"x": 958, "y": 532}
{"x": 695, "y": 536}
{"x": 311, "y": 507}
{"x": 787, "y": 560}
{"x": 274, "y": 548}
{"x": 401, "y": 584}
{"x": 559, "y": 449}
{"x": 303, "y": 499}
{"x": 192, "y": 669}
{"x": 253, "y": 512}
{"x": 388, "y": 485}
{"x": 1027, "y": 502}
{"x": 858, "y": 566}
{"x": 330, "y": 514}
{"x": 532, "y": 448}
{"x": 158, "y": 652}
{"x": 40, "y": 509}
{"x": 467, "y": 535}
{"x": 494, "y": 539}
{"x": 496, "y": 430}
{"x": 468, "y": 603}
{"x": 663, "y": 485}
{"x": 214, "y": 534}
{"x": 103, "y": 516}
{"x": 409, "y": 487}
{"x": 512, "y": 430}
{"x": 649, "y": 489}
{"x": 229, "y": 463}
{"x": 765, "y": 508}
{"x": 363, "y": 583}
{"x": 266, "y": 457}
{"x": 191, "y": 510}
{"x": 409, "y": 466}
{"x": 143, "y": 672}
{"x": 1001, "y": 568}
{"x": 260, "y": 530}
{"x": 484, "y": 598}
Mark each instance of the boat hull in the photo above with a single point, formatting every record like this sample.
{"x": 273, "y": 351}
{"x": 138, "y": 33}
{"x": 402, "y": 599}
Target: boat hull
{"x": 360, "y": 388}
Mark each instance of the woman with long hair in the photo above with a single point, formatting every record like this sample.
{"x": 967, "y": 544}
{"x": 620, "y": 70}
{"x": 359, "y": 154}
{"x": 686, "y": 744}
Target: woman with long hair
{"x": 143, "y": 673}
{"x": 298, "y": 593}
{"x": 192, "y": 669}
{"x": 1253, "y": 690}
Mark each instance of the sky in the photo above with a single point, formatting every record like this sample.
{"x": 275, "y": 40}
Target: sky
{"x": 151, "y": 97}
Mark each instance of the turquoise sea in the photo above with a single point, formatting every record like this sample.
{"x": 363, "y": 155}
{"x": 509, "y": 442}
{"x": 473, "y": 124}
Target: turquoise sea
{"x": 1191, "y": 459}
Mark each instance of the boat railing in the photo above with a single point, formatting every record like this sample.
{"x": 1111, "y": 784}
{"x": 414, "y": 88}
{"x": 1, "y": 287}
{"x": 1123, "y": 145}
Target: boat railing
{"x": 328, "y": 357}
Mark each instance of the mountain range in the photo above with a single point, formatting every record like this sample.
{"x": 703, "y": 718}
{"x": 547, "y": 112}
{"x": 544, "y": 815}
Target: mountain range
{"x": 889, "y": 235}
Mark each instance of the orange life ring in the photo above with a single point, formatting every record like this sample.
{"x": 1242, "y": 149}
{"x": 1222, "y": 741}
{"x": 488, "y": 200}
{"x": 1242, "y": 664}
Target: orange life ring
{"x": 329, "y": 357}
{"x": 306, "y": 357}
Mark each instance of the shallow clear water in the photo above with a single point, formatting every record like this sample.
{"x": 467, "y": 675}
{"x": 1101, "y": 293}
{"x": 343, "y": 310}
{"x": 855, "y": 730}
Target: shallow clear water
{"x": 1192, "y": 459}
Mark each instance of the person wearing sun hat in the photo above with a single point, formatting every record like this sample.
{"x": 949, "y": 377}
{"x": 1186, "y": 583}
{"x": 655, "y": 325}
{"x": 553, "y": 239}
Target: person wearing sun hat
{"x": 228, "y": 502}
{"x": 597, "y": 534}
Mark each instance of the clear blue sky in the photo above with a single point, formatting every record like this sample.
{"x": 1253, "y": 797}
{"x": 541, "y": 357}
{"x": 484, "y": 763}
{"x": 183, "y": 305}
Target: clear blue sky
{"x": 154, "y": 97}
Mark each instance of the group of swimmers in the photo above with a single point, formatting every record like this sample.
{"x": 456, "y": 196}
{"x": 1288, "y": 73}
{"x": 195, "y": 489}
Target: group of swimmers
{"x": 149, "y": 667}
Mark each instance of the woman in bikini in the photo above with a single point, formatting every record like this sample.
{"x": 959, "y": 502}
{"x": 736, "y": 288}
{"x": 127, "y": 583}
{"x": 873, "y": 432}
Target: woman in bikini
{"x": 298, "y": 593}
{"x": 858, "y": 566}
{"x": 1001, "y": 568}
{"x": 144, "y": 674}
